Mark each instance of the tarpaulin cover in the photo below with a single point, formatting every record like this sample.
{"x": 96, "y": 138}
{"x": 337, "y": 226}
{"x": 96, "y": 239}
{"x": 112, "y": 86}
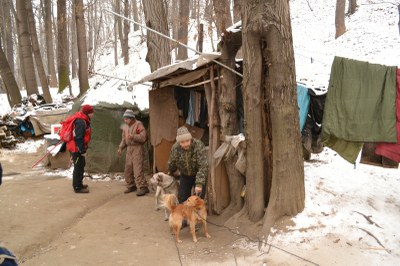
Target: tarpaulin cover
{"x": 106, "y": 136}
{"x": 303, "y": 101}
{"x": 360, "y": 106}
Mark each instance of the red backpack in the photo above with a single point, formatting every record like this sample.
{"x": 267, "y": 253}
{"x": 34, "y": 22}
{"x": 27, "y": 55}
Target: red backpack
{"x": 67, "y": 127}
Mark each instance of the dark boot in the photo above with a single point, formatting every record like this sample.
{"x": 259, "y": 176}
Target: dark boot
{"x": 130, "y": 189}
{"x": 81, "y": 190}
{"x": 142, "y": 191}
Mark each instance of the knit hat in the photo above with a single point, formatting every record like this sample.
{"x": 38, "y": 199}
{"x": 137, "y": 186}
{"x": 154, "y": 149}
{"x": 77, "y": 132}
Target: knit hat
{"x": 129, "y": 114}
{"x": 183, "y": 134}
{"x": 87, "y": 109}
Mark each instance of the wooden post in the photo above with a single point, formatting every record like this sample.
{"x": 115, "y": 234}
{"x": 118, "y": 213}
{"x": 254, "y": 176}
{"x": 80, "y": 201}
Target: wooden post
{"x": 200, "y": 40}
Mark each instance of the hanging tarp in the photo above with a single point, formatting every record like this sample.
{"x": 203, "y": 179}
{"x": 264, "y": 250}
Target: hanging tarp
{"x": 303, "y": 101}
{"x": 164, "y": 115}
{"x": 360, "y": 106}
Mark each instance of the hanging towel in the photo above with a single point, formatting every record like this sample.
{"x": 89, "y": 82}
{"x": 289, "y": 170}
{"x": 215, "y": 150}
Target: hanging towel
{"x": 360, "y": 106}
{"x": 392, "y": 150}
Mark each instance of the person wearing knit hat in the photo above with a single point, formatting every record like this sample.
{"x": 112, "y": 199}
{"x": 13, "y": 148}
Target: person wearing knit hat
{"x": 189, "y": 156}
{"x": 78, "y": 146}
{"x": 87, "y": 109}
{"x": 134, "y": 136}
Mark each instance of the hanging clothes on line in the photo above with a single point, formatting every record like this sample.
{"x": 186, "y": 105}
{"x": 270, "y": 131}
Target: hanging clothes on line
{"x": 392, "y": 150}
{"x": 360, "y": 106}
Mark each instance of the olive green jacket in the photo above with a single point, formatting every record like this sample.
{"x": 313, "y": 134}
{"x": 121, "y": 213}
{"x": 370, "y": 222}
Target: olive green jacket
{"x": 191, "y": 162}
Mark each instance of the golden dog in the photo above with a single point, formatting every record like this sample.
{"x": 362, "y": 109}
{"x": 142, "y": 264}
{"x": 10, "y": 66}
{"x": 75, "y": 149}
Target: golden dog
{"x": 193, "y": 210}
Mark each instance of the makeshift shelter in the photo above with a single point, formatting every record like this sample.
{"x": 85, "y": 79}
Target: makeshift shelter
{"x": 109, "y": 99}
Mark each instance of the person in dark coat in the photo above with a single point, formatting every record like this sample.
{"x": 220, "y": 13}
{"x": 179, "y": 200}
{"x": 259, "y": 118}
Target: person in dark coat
{"x": 78, "y": 146}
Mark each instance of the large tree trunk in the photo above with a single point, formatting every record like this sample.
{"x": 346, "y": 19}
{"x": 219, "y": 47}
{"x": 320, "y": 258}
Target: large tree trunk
{"x": 119, "y": 23}
{"x": 183, "y": 29}
{"x": 36, "y": 52}
{"x": 352, "y": 6}
{"x": 74, "y": 46}
{"x": 158, "y": 48}
{"x": 26, "y": 49}
{"x": 51, "y": 68}
{"x": 275, "y": 171}
{"x": 222, "y": 15}
{"x": 125, "y": 47}
{"x": 8, "y": 30}
{"x": 231, "y": 43}
{"x": 10, "y": 83}
{"x": 135, "y": 15}
{"x": 62, "y": 45}
{"x": 82, "y": 50}
{"x": 236, "y": 10}
{"x": 339, "y": 18}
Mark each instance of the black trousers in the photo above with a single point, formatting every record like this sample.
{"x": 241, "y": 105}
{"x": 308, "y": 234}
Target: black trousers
{"x": 186, "y": 184}
{"x": 79, "y": 162}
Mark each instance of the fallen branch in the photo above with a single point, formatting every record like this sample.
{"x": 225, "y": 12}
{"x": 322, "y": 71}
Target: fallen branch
{"x": 377, "y": 240}
{"x": 368, "y": 219}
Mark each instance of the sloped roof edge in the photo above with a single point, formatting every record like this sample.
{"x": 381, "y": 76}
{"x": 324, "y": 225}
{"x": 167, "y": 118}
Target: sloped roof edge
{"x": 188, "y": 64}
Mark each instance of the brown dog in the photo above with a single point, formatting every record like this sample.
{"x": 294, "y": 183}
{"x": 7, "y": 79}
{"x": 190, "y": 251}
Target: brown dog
{"x": 193, "y": 210}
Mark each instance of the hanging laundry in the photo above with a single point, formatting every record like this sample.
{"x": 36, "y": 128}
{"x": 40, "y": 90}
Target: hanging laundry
{"x": 360, "y": 106}
{"x": 303, "y": 101}
{"x": 392, "y": 150}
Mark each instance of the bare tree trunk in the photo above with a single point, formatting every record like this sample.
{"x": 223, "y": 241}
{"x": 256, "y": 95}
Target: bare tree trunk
{"x": 339, "y": 18}
{"x": 119, "y": 22}
{"x": 115, "y": 39}
{"x": 91, "y": 28}
{"x": 51, "y": 68}
{"x": 36, "y": 52}
{"x": 208, "y": 15}
{"x": 20, "y": 66}
{"x": 174, "y": 22}
{"x": 125, "y": 47}
{"x": 271, "y": 113}
{"x": 62, "y": 45}
{"x": 26, "y": 49}
{"x": 222, "y": 15}
{"x": 236, "y": 10}
{"x": 158, "y": 48}
{"x": 135, "y": 15}
{"x": 183, "y": 29}
{"x": 74, "y": 46}
{"x": 10, "y": 83}
{"x": 82, "y": 50}
{"x": 352, "y": 6}
{"x": 231, "y": 42}
{"x": 8, "y": 37}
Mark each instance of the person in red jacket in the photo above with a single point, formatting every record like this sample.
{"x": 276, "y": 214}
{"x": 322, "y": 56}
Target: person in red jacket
{"x": 79, "y": 145}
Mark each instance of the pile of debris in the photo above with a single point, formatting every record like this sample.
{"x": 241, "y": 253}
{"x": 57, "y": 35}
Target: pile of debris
{"x": 33, "y": 117}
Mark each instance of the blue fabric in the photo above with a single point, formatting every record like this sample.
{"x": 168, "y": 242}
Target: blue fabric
{"x": 7, "y": 258}
{"x": 303, "y": 101}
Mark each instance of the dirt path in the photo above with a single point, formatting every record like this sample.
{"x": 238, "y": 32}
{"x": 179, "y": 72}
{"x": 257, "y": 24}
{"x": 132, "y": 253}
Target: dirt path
{"x": 44, "y": 223}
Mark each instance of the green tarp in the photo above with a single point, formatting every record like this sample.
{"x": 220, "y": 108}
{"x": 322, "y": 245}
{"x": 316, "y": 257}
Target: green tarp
{"x": 106, "y": 135}
{"x": 360, "y": 106}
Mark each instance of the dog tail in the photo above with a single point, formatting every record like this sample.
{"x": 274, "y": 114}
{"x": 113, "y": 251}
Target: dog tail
{"x": 170, "y": 202}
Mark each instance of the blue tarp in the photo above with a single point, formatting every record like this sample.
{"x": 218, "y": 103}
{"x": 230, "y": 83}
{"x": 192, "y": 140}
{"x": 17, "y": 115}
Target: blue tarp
{"x": 303, "y": 101}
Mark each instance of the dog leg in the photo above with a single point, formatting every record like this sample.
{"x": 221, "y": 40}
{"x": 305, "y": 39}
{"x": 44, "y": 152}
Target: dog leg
{"x": 204, "y": 222}
{"x": 158, "y": 192}
{"x": 193, "y": 231}
{"x": 166, "y": 214}
{"x": 177, "y": 231}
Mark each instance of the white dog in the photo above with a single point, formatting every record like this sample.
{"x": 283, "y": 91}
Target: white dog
{"x": 166, "y": 184}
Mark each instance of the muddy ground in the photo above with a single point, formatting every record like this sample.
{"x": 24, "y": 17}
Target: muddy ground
{"x": 44, "y": 222}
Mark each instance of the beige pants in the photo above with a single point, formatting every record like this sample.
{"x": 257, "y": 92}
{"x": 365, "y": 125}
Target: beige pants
{"x": 134, "y": 167}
